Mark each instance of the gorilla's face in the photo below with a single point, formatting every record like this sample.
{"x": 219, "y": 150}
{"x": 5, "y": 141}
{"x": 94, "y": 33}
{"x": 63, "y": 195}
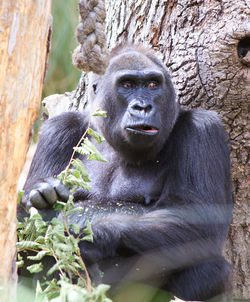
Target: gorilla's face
{"x": 140, "y": 100}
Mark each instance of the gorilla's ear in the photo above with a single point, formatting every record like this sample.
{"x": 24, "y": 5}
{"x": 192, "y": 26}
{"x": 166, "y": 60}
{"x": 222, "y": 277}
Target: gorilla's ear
{"x": 94, "y": 81}
{"x": 94, "y": 87}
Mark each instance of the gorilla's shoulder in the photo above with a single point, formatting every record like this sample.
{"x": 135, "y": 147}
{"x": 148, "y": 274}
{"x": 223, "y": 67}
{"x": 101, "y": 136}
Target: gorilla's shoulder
{"x": 205, "y": 117}
{"x": 64, "y": 129}
{"x": 72, "y": 121}
{"x": 200, "y": 118}
{"x": 200, "y": 122}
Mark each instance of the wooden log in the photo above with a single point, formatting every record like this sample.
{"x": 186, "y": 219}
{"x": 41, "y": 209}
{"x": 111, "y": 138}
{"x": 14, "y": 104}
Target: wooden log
{"x": 25, "y": 32}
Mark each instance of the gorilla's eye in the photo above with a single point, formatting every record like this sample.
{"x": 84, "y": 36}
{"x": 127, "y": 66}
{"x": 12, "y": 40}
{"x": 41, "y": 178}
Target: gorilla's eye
{"x": 152, "y": 84}
{"x": 127, "y": 84}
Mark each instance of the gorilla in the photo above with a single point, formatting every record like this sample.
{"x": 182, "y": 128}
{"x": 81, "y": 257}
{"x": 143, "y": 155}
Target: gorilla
{"x": 170, "y": 165}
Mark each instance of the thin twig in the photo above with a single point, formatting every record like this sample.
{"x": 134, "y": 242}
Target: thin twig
{"x": 61, "y": 271}
{"x": 73, "y": 154}
{"x": 87, "y": 282}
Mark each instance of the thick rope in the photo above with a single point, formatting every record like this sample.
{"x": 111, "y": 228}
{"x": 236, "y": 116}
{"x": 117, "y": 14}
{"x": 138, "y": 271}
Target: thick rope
{"x": 91, "y": 54}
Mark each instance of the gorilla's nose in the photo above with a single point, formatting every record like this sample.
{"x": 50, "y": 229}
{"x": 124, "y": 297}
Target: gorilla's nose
{"x": 140, "y": 108}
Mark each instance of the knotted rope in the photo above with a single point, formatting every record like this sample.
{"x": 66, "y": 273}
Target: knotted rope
{"x": 91, "y": 54}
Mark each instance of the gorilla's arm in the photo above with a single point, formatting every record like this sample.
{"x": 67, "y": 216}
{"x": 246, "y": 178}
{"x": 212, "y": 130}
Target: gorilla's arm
{"x": 60, "y": 134}
{"x": 174, "y": 238}
{"x": 177, "y": 249}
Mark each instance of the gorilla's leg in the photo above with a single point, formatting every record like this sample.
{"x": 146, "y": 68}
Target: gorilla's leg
{"x": 211, "y": 278}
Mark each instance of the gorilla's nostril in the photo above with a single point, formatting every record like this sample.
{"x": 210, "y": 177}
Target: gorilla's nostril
{"x": 137, "y": 107}
{"x": 145, "y": 107}
{"x": 244, "y": 51}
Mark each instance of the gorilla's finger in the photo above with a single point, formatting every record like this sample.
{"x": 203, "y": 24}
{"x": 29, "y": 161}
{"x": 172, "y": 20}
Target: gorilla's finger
{"x": 48, "y": 193}
{"x": 37, "y": 200}
{"x": 61, "y": 190}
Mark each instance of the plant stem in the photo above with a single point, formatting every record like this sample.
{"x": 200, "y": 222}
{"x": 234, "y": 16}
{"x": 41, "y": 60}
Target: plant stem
{"x": 87, "y": 282}
{"x": 73, "y": 154}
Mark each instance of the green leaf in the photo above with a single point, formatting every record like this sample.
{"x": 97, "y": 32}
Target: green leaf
{"x": 73, "y": 181}
{"x": 75, "y": 173}
{"x": 55, "y": 267}
{"x": 99, "y": 112}
{"x": 74, "y": 243}
{"x": 76, "y": 228}
{"x": 74, "y": 210}
{"x": 23, "y": 245}
{"x": 88, "y": 231}
{"x": 98, "y": 137}
{"x": 40, "y": 295}
{"x": 48, "y": 235}
{"x": 20, "y": 225}
{"x": 36, "y": 216}
{"x": 95, "y": 154}
{"x": 35, "y": 268}
{"x": 40, "y": 225}
{"x": 52, "y": 290}
{"x": 59, "y": 205}
{"x": 61, "y": 176}
{"x": 20, "y": 263}
{"x": 62, "y": 246}
{"x": 29, "y": 228}
{"x": 89, "y": 149}
{"x": 101, "y": 291}
{"x": 19, "y": 196}
{"x": 82, "y": 150}
{"x": 77, "y": 163}
{"x": 39, "y": 255}
{"x": 40, "y": 239}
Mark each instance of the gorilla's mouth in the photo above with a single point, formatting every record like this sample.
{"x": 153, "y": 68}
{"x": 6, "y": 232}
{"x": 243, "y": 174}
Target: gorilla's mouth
{"x": 143, "y": 129}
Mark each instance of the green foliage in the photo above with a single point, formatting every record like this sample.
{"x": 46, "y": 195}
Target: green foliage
{"x": 100, "y": 112}
{"x": 96, "y": 136}
{"x": 89, "y": 149}
{"x": 19, "y": 196}
{"x": 38, "y": 238}
{"x": 53, "y": 239}
{"x": 77, "y": 175}
{"x": 62, "y": 75}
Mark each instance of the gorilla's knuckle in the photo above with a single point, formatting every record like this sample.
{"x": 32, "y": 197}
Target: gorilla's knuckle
{"x": 34, "y": 195}
{"x": 37, "y": 199}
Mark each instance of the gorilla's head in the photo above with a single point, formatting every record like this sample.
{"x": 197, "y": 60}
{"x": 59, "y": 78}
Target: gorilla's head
{"x": 138, "y": 95}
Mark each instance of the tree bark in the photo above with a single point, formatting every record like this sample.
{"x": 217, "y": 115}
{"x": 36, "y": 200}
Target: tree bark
{"x": 25, "y": 30}
{"x": 198, "y": 40}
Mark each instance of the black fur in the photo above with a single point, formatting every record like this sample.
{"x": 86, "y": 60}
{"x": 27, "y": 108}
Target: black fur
{"x": 175, "y": 177}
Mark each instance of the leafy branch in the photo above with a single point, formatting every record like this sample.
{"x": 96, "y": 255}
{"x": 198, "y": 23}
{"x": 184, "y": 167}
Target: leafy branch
{"x": 67, "y": 279}
{"x": 78, "y": 176}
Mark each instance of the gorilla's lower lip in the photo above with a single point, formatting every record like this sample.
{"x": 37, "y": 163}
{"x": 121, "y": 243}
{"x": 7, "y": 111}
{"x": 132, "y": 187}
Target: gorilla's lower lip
{"x": 143, "y": 129}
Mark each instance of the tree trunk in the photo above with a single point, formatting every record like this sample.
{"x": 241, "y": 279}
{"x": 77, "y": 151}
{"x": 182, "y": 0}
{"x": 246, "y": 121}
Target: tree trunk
{"x": 25, "y": 30}
{"x": 199, "y": 42}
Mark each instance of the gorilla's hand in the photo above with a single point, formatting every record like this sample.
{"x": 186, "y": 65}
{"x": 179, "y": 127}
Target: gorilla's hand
{"x": 91, "y": 252}
{"x": 46, "y": 193}
{"x": 107, "y": 236}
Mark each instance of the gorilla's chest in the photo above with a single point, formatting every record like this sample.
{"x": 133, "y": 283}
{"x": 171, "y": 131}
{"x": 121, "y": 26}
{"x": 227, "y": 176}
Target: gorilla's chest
{"x": 114, "y": 182}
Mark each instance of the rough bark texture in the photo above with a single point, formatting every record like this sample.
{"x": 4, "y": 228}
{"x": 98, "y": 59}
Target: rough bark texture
{"x": 198, "y": 41}
{"x": 25, "y": 29}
